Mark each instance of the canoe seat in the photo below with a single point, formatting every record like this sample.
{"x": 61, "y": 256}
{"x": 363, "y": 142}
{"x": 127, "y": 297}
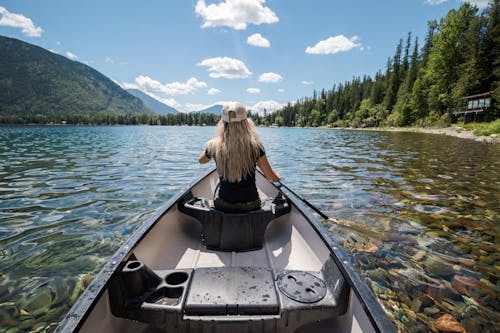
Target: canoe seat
{"x": 233, "y": 231}
{"x": 221, "y": 291}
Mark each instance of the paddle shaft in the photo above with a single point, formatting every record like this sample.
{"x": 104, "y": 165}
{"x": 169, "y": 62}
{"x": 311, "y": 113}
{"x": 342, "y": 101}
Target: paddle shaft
{"x": 320, "y": 213}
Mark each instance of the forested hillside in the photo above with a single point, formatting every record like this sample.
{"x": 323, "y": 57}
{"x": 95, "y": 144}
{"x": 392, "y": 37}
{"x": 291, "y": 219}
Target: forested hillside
{"x": 37, "y": 85}
{"x": 421, "y": 85}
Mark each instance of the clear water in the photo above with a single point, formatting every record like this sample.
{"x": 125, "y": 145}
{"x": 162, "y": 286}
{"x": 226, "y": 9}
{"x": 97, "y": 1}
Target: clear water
{"x": 418, "y": 213}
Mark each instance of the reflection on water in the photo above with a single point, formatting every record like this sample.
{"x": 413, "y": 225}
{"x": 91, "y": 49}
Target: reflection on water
{"x": 418, "y": 213}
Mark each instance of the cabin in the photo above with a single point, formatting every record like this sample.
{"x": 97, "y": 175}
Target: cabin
{"x": 475, "y": 104}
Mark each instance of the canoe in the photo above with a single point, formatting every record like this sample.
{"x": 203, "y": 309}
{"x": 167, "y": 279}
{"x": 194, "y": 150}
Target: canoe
{"x": 191, "y": 268}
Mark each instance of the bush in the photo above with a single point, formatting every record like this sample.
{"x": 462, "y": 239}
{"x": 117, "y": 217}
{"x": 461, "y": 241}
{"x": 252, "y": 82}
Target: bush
{"x": 484, "y": 128}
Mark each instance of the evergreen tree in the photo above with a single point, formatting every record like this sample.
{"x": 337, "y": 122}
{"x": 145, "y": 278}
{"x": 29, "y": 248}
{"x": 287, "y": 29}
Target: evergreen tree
{"x": 393, "y": 78}
{"x": 491, "y": 52}
{"x": 445, "y": 58}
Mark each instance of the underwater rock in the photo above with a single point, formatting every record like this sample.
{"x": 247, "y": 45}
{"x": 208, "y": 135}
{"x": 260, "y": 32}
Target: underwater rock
{"x": 411, "y": 314}
{"x": 447, "y": 323}
{"x": 462, "y": 284}
{"x": 479, "y": 291}
{"x": 39, "y": 303}
{"x": 8, "y": 313}
{"x": 416, "y": 305}
{"x": 378, "y": 275}
{"x": 432, "y": 310}
{"x": 440, "y": 292}
{"x": 337, "y": 205}
{"x": 419, "y": 256}
{"x": 438, "y": 268}
{"x": 486, "y": 260}
{"x": 39, "y": 327}
{"x": 82, "y": 284}
{"x": 437, "y": 234}
{"x": 401, "y": 239}
{"x": 61, "y": 290}
{"x": 471, "y": 325}
{"x": 368, "y": 247}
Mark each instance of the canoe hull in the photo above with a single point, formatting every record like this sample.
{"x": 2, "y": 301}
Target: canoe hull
{"x": 165, "y": 279}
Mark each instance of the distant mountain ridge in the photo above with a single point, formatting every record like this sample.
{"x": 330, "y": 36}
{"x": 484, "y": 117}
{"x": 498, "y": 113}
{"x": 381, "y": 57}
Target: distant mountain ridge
{"x": 153, "y": 103}
{"x": 35, "y": 81}
{"x": 214, "y": 109}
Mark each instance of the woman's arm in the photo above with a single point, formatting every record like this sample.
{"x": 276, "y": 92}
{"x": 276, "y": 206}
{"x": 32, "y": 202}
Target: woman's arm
{"x": 203, "y": 158}
{"x": 267, "y": 170}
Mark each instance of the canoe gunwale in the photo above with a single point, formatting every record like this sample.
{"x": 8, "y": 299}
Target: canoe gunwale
{"x": 372, "y": 307}
{"x": 76, "y": 316}
{"x": 82, "y": 308}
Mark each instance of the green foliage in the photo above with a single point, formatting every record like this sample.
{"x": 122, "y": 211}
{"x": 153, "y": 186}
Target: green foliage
{"x": 484, "y": 128}
{"x": 191, "y": 119}
{"x": 419, "y": 87}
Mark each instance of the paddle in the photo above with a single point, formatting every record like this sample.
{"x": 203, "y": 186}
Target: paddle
{"x": 349, "y": 224}
{"x": 320, "y": 213}
{"x": 378, "y": 316}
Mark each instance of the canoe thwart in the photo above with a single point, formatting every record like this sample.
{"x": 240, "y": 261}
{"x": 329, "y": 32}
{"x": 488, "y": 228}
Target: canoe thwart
{"x": 233, "y": 231}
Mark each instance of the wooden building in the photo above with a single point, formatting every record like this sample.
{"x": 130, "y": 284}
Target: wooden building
{"x": 474, "y": 104}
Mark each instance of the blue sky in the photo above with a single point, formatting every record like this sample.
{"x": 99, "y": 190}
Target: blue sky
{"x": 191, "y": 54}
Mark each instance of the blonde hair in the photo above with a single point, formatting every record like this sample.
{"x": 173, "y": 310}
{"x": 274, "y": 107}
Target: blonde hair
{"x": 236, "y": 149}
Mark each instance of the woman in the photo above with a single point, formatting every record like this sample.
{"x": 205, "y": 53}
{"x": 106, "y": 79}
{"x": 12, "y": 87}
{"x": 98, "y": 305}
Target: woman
{"x": 236, "y": 149}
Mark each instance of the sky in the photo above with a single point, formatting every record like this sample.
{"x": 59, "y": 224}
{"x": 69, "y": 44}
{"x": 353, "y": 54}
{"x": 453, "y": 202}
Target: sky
{"x": 191, "y": 54}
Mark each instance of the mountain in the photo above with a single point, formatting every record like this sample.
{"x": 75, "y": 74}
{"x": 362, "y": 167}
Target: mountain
{"x": 214, "y": 109}
{"x": 34, "y": 81}
{"x": 152, "y": 103}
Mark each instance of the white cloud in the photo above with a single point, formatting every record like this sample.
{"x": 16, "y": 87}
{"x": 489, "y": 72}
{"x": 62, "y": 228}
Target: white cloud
{"x": 168, "y": 101}
{"x": 434, "y": 2}
{"x": 188, "y": 107}
{"x": 148, "y": 84}
{"x": 270, "y": 77}
{"x": 127, "y": 85}
{"x": 258, "y": 41}
{"x": 226, "y": 67}
{"x": 268, "y": 106}
{"x": 253, "y": 90}
{"x": 26, "y": 25}
{"x": 213, "y": 91}
{"x": 334, "y": 45}
{"x": 72, "y": 56}
{"x": 307, "y": 83}
{"x": 236, "y": 14}
{"x": 479, "y": 3}
{"x": 281, "y": 90}
{"x": 109, "y": 60}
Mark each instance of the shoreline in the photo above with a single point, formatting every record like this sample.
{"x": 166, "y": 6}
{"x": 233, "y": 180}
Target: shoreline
{"x": 457, "y": 132}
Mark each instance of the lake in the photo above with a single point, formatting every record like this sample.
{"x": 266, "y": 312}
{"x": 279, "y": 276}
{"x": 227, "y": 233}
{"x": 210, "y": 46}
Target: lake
{"x": 417, "y": 213}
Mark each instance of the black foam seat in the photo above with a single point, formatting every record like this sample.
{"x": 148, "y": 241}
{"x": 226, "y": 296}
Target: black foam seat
{"x": 233, "y": 231}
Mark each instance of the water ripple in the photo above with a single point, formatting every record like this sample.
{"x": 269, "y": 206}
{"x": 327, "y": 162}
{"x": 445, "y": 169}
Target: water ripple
{"x": 406, "y": 205}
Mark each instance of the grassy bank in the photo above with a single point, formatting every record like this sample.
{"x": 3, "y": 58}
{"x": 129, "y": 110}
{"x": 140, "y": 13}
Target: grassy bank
{"x": 484, "y": 129}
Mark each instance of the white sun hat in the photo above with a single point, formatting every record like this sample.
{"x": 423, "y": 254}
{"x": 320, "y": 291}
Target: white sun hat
{"x": 233, "y": 112}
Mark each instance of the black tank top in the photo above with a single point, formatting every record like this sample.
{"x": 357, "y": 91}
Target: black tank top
{"x": 242, "y": 191}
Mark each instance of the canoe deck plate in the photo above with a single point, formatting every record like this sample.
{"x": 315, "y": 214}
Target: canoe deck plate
{"x": 302, "y": 287}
